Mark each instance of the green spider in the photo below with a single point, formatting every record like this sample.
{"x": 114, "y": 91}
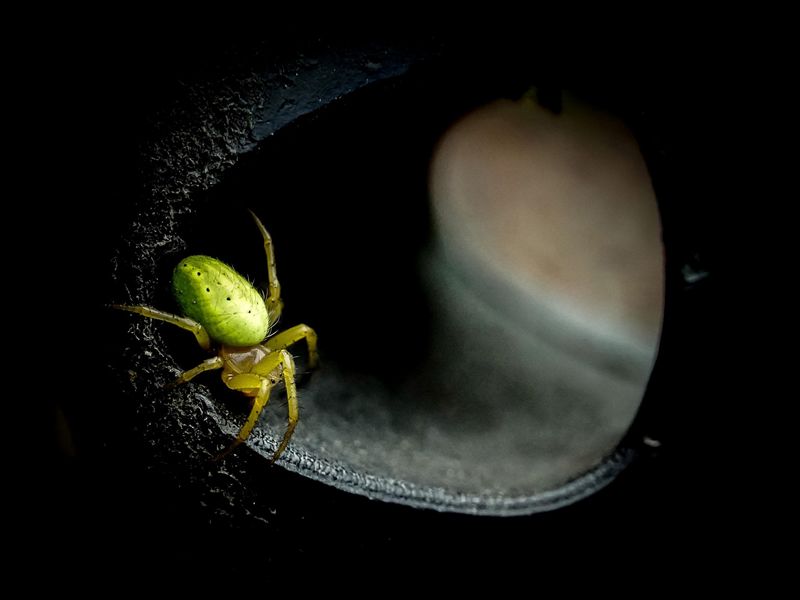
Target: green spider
{"x": 230, "y": 317}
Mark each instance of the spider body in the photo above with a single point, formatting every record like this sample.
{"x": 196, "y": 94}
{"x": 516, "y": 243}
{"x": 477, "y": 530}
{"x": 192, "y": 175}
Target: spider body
{"x": 230, "y": 318}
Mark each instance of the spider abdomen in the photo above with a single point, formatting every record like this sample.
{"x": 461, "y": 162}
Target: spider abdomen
{"x": 231, "y": 310}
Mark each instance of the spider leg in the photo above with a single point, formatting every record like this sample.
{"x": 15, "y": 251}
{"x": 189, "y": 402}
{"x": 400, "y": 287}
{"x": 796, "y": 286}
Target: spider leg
{"x": 244, "y": 382}
{"x": 284, "y": 339}
{"x": 274, "y": 302}
{"x": 291, "y": 397}
{"x": 207, "y": 365}
{"x": 254, "y": 381}
{"x": 182, "y": 322}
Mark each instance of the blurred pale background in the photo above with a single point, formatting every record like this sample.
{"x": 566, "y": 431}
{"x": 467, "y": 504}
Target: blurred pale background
{"x": 561, "y": 206}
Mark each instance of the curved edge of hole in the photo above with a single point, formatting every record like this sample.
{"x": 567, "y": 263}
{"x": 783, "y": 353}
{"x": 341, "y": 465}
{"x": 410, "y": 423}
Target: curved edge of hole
{"x": 442, "y": 500}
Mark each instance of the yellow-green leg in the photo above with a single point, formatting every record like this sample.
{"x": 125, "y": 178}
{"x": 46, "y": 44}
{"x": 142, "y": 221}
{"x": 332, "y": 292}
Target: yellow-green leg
{"x": 207, "y": 365}
{"x": 284, "y": 339}
{"x": 182, "y": 322}
{"x": 291, "y": 400}
{"x": 261, "y": 382}
{"x": 274, "y": 302}
{"x": 244, "y": 382}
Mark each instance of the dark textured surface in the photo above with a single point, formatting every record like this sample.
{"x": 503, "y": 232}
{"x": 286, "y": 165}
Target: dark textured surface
{"x": 491, "y": 415}
{"x": 145, "y": 453}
